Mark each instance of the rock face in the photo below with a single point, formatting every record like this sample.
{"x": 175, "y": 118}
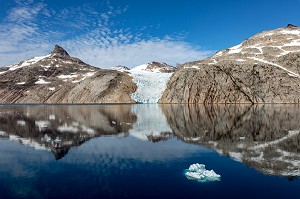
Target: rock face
{"x": 59, "y": 78}
{"x": 262, "y": 69}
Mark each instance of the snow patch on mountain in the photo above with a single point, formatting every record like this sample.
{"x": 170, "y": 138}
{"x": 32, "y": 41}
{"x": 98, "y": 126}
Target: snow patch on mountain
{"x": 27, "y": 62}
{"x": 42, "y": 81}
{"x": 291, "y": 32}
{"x": 235, "y": 49}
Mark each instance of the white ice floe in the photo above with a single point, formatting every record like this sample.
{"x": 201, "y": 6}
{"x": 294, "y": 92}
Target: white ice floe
{"x": 198, "y": 172}
{"x": 41, "y": 81}
{"x": 150, "y": 84}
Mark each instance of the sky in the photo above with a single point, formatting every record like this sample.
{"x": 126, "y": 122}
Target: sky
{"x": 133, "y": 32}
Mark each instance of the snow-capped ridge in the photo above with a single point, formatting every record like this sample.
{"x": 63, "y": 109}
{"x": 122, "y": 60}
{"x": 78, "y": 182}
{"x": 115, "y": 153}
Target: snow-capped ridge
{"x": 155, "y": 67}
{"x": 27, "y": 62}
{"x": 120, "y": 68}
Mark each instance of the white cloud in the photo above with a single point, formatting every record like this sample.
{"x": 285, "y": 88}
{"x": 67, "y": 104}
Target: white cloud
{"x": 20, "y": 34}
{"x": 140, "y": 52}
{"x": 32, "y": 29}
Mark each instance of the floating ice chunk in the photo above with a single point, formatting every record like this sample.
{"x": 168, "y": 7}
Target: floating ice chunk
{"x": 198, "y": 172}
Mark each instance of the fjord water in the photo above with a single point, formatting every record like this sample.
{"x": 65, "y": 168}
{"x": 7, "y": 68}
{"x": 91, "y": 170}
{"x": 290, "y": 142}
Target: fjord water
{"x": 141, "y": 151}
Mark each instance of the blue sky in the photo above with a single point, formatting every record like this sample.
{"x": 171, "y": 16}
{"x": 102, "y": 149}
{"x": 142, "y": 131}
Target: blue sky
{"x": 133, "y": 32}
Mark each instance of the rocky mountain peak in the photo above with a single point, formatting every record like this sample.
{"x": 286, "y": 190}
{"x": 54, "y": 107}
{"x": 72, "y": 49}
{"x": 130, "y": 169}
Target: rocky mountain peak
{"x": 60, "y": 51}
{"x": 161, "y": 67}
{"x": 291, "y": 26}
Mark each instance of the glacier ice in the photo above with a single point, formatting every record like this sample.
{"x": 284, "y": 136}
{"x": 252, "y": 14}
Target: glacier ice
{"x": 150, "y": 85}
{"x": 198, "y": 172}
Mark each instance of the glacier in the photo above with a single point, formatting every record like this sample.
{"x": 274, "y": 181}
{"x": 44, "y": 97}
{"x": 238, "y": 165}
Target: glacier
{"x": 199, "y": 173}
{"x": 150, "y": 84}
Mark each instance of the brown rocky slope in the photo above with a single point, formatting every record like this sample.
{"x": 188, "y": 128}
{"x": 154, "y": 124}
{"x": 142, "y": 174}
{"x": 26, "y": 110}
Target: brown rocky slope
{"x": 262, "y": 69}
{"x": 60, "y": 78}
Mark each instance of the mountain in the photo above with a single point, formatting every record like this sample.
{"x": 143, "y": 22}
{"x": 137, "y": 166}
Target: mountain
{"x": 156, "y": 67}
{"x": 60, "y": 78}
{"x": 263, "y": 69}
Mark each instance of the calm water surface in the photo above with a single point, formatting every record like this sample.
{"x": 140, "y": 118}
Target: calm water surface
{"x": 141, "y": 151}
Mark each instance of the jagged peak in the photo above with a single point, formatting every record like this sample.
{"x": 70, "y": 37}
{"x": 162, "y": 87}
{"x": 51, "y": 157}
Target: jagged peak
{"x": 60, "y": 51}
{"x": 291, "y": 26}
{"x": 159, "y": 64}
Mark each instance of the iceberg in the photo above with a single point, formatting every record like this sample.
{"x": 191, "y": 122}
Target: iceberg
{"x": 199, "y": 173}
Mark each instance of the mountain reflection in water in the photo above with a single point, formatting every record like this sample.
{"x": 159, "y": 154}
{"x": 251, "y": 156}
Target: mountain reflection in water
{"x": 58, "y": 128}
{"x": 264, "y": 137}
